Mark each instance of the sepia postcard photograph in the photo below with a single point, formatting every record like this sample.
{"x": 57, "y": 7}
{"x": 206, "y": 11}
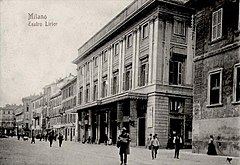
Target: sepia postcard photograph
{"x": 119, "y": 82}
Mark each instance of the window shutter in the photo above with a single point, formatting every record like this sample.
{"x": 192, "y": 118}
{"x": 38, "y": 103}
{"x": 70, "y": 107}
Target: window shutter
{"x": 124, "y": 81}
{"x": 146, "y": 73}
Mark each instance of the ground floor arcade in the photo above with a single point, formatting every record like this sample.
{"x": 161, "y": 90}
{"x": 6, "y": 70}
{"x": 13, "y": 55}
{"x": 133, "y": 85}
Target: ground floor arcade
{"x": 140, "y": 114}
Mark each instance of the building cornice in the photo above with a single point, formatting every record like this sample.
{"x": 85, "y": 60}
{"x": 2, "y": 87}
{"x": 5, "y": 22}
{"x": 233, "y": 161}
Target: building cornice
{"x": 217, "y": 51}
{"x": 117, "y": 22}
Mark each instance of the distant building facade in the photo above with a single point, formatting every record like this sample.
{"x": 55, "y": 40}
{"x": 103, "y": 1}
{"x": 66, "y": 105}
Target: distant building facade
{"x": 216, "y": 103}
{"x": 19, "y": 116}
{"x": 136, "y": 73}
{"x": 37, "y": 107}
{"x": 49, "y": 92}
{"x": 27, "y": 114}
{"x": 7, "y": 119}
{"x": 69, "y": 115}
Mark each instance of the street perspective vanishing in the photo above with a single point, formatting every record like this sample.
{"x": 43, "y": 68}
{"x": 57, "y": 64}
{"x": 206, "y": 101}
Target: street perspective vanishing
{"x": 129, "y": 82}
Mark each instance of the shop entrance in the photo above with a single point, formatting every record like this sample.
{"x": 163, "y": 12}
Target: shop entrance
{"x": 141, "y": 132}
{"x": 176, "y": 127}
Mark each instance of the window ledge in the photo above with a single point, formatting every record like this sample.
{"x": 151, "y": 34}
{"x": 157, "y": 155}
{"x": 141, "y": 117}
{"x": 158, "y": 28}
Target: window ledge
{"x": 215, "y": 105}
{"x": 235, "y": 102}
{"x": 217, "y": 40}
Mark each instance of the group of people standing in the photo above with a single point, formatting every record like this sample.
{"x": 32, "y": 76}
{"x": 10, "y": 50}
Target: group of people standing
{"x": 51, "y": 137}
{"x": 153, "y": 144}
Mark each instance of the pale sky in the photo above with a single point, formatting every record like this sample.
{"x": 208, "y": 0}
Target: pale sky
{"x": 32, "y": 57}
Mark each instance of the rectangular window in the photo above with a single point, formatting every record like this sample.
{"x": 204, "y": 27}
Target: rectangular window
{"x": 105, "y": 56}
{"x": 215, "y": 87}
{"x": 129, "y": 41}
{"x": 104, "y": 88}
{"x": 179, "y": 27}
{"x": 115, "y": 85}
{"x": 143, "y": 72}
{"x": 128, "y": 79}
{"x": 175, "y": 72}
{"x": 236, "y": 90}
{"x": 217, "y": 24}
{"x": 145, "y": 31}
{"x": 176, "y": 105}
{"x": 87, "y": 93}
{"x": 80, "y": 96}
{"x": 116, "y": 49}
{"x": 95, "y": 91}
{"x": 95, "y": 61}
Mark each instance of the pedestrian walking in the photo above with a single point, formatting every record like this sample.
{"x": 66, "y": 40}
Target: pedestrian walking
{"x": 154, "y": 146}
{"x": 149, "y": 139}
{"x": 123, "y": 144}
{"x": 177, "y": 141}
{"x": 33, "y": 138}
{"x": 50, "y": 138}
{"x": 60, "y": 139}
{"x": 18, "y": 136}
{"x": 211, "y": 146}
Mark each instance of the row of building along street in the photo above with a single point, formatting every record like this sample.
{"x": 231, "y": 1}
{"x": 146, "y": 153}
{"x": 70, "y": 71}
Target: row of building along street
{"x": 158, "y": 67}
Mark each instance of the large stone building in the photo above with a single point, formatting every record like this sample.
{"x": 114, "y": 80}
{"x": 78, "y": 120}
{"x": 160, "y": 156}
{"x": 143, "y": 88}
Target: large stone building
{"x": 7, "y": 119}
{"x": 27, "y": 114}
{"x": 217, "y": 76}
{"x": 69, "y": 115}
{"x": 52, "y": 103}
{"x": 136, "y": 72}
{"x": 37, "y": 106}
{"x": 19, "y": 117}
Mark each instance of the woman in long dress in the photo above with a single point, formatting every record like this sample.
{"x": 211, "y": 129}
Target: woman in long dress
{"x": 211, "y": 147}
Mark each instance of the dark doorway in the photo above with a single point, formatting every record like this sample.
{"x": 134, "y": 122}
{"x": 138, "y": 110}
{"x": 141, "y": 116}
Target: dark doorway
{"x": 141, "y": 131}
{"x": 102, "y": 126}
{"x": 176, "y": 126}
{"x": 113, "y": 126}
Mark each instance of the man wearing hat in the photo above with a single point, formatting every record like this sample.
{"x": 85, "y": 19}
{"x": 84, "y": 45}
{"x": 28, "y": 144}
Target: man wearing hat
{"x": 123, "y": 144}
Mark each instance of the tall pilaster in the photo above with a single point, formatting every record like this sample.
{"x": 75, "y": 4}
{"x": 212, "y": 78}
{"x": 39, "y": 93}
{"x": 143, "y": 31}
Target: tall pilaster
{"x": 77, "y": 132}
{"x": 100, "y": 76}
{"x": 134, "y": 58}
{"x": 109, "y": 70}
{"x": 84, "y": 83}
{"x": 120, "y": 64}
{"x": 166, "y": 52}
{"x": 91, "y": 71}
{"x": 157, "y": 67}
{"x": 137, "y": 55}
{"x": 123, "y": 62}
{"x": 150, "y": 57}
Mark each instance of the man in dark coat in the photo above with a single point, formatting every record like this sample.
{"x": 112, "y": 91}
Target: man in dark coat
{"x": 123, "y": 144}
{"x": 60, "y": 139}
{"x": 50, "y": 138}
{"x": 177, "y": 141}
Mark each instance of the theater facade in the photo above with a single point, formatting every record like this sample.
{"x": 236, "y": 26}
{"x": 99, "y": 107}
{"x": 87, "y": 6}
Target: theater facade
{"x": 136, "y": 72}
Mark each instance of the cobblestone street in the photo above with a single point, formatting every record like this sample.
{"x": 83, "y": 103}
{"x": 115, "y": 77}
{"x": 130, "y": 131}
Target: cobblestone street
{"x": 21, "y": 152}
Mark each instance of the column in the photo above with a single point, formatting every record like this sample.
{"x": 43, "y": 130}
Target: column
{"x": 150, "y": 57}
{"x": 77, "y": 135}
{"x": 100, "y": 76}
{"x": 122, "y": 50}
{"x": 134, "y": 58}
{"x": 84, "y": 83}
{"x": 110, "y": 52}
{"x": 137, "y": 56}
{"x": 157, "y": 51}
{"x": 123, "y": 62}
{"x": 166, "y": 52}
{"x": 91, "y": 68}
